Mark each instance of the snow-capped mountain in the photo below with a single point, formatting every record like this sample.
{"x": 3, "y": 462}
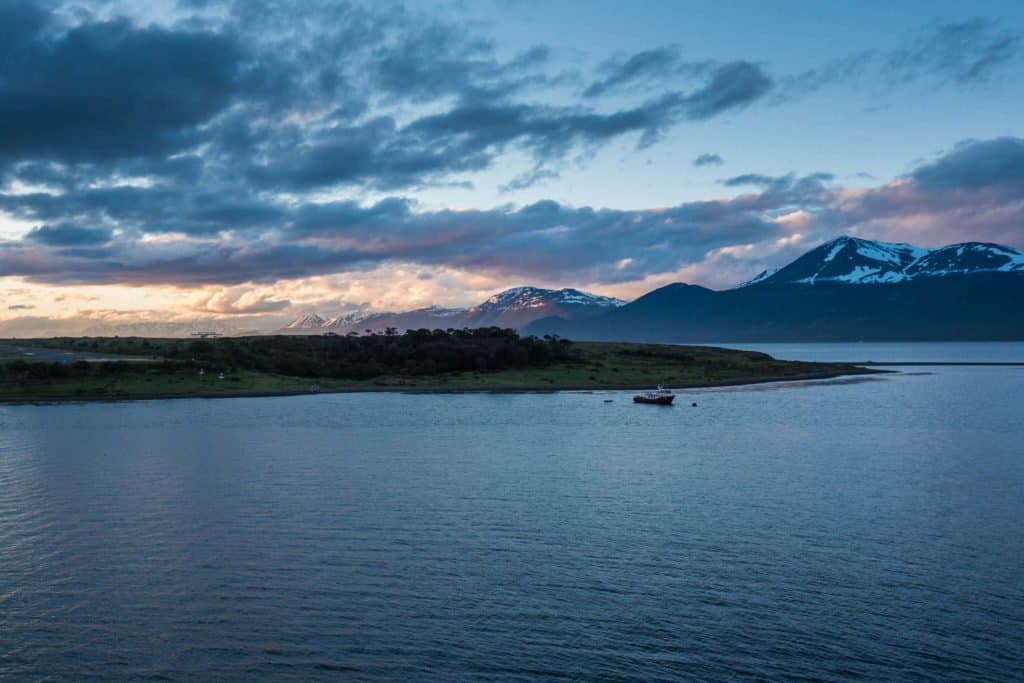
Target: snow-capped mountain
{"x": 345, "y": 320}
{"x": 969, "y": 257}
{"x": 430, "y": 317}
{"x": 851, "y": 260}
{"x": 307, "y": 322}
{"x": 512, "y": 308}
{"x": 522, "y": 305}
{"x": 849, "y": 289}
{"x": 534, "y": 297}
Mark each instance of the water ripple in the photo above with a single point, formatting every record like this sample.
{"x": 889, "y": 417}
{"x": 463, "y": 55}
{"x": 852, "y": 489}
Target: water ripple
{"x": 847, "y": 531}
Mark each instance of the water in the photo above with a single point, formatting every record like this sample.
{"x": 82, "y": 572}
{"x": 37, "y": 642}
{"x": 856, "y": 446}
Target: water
{"x": 889, "y": 352}
{"x": 866, "y": 529}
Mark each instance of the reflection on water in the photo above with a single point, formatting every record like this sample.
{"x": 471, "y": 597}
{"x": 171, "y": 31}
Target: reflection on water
{"x": 857, "y": 528}
{"x": 805, "y": 384}
{"x": 890, "y": 352}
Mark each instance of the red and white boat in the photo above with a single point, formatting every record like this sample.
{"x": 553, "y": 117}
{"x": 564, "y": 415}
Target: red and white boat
{"x": 659, "y": 396}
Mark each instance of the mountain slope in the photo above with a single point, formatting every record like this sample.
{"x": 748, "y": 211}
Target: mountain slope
{"x": 522, "y": 305}
{"x": 850, "y": 260}
{"x": 306, "y": 322}
{"x": 969, "y": 257}
{"x": 983, "y": 306}
{"x": 432, "y": 317}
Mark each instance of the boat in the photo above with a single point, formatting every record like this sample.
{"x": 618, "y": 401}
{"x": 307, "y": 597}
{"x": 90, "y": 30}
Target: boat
{"x": 660, "y": 396}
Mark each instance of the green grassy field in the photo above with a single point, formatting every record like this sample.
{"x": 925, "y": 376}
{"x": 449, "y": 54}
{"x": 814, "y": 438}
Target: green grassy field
{"x": 596, "y": 366}
{"x": 143, "y": 383}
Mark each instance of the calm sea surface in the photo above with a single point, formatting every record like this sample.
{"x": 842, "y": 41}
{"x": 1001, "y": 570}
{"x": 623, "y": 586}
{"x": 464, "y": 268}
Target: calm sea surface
{"x": 866, "y": 529}
{"x": 889, "y": 352}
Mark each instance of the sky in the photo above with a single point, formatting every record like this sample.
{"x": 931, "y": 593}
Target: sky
{"x": 250, "y": 161}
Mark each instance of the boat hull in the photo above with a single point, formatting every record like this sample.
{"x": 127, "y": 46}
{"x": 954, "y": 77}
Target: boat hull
{"x": 658, "y": 401}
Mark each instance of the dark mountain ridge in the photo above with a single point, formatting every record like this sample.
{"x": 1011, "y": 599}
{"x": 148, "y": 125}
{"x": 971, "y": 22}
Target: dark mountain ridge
{"x": 846, "y": 290}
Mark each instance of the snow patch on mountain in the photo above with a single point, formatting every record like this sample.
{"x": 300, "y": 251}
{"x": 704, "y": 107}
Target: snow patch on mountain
{"x": 836, "y": 248}
{"x": 535, "y": 297}
{"x": 760, "y": 277}
{"x": 852, "y": 260}
{"x": 511, "y": 308}
{"x": 889, "y": 252}
{"x": 970, "y": 257}
{"x": 443, "y": 312}
{"x": 306, "y": 322}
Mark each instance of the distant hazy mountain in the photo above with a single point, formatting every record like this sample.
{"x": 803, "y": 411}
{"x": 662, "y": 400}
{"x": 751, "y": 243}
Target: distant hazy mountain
{"x": 306, "y": 322}
{"x": 849, "y": 289}
{"x": 512, "y": 308}
{"x": 522, "y": 305}
{"x": 432, "y": 317}
{"x": 165, "y": 329}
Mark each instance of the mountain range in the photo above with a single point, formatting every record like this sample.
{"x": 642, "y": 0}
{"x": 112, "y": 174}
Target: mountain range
{"x": 849, "y": 289}
{"x": 513, "y": 308}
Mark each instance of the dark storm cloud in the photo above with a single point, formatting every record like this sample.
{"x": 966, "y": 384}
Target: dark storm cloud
{"x": 65, "y": 235}
{"x": 435, "y": 61}
{"x": 151, "y": 210}
{"x": 112, "y": 98}
{"x": 335, "y": 217}
{"x": 533, "y": 176}
{"x": 846, "y": 70}
{"x": 484, "y": 120}
{"x": 108, "y": 90}
{"x": 731, "y": 86}
{"x": 966, "y": 53}
{"x": 19, "y": 22}
{"x": 542, "y": 239}
{"x": 470, "y": 136}
{"x": 973, "y": 191}
{"x": 375, "y": 153}
{"x": 963, "y": 52}
{"x": 976, "y": 164}
{"x": 708, "y": 160}
{"x": 767, "y": 182}
{"x": 271, "y": 96}
{"x": 181, "y": 170}
{"x": 547, "y": 131}
{"x": 466, "y": 138}
{"x": 213, "y": 133}
{"x": 656, "y": 63}
{"x": 727, "y": 86}
{"x": 749, "y": 179}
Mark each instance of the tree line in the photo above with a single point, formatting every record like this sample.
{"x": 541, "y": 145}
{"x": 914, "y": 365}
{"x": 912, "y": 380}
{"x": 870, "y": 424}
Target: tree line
{"x": 414, "y": 353}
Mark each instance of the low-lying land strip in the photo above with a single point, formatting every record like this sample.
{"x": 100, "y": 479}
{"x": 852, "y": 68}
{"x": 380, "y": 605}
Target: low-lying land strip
{"x": 454, "y": 360}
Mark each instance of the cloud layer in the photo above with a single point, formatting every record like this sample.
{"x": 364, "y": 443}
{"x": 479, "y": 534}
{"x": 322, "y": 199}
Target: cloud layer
{"x": 975, "y": 191}
{"x": 235, "y": 145}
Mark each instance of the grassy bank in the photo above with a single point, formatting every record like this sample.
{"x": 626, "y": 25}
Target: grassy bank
{"x": 169, "y": 368}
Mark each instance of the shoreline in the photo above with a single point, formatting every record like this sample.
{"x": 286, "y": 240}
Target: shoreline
{"x": 889, "y": 363}
{"x": 422, "y": 389}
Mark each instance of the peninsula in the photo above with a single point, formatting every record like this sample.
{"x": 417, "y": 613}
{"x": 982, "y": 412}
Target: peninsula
{"x": 486, "y": 359}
